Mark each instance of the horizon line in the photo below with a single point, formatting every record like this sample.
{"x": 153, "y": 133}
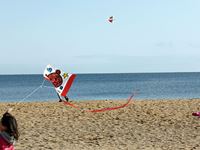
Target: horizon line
{"x": 109, "y": 73}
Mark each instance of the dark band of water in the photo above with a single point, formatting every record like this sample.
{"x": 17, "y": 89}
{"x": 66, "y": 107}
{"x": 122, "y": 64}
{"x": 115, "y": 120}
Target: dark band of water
{"x": 105, "y": 86}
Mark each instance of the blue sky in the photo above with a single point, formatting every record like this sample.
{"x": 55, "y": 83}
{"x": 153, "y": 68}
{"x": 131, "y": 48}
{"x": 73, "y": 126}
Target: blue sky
{"x": 147, "y": 36}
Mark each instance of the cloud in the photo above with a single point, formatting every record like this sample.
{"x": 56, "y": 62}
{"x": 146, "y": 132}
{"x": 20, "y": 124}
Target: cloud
{"x": 169, "y": 44}
{"x": 193, "y": 45}
{"x": 85, "y": 56}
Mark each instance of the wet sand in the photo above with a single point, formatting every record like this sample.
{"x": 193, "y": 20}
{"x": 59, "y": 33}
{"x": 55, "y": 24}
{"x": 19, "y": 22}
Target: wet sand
{"x": 143, "y": 125}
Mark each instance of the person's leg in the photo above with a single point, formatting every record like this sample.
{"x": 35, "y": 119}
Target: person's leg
{"x": 66, "y": 98}
{"x": 60, "y": 100}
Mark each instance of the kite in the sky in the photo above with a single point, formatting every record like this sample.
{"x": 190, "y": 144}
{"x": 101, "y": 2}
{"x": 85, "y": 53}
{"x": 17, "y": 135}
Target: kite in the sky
{"x": 62, "y": 81}
{"x": 111, "y": 19}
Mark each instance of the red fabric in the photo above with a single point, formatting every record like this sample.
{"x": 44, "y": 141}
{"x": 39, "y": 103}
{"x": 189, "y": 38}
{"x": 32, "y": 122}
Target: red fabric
{"x": 103, "y": 109}
{"x": 196, "y": 114}
{"x": 110, "y": 20}
{"x": 68, "y": 85}
{"x": 5, "y": 145}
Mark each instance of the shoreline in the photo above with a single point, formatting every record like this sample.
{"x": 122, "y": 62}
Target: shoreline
{"x": 144, "y": 124}
{"x": 102, "y": 100}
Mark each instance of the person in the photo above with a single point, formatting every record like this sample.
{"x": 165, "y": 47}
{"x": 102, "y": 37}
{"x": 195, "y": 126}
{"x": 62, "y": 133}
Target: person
{"x": 60, "y": 99}
{"x": 8, "y": 132}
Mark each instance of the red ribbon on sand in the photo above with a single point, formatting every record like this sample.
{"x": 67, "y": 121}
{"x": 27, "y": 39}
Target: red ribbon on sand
{"x": 102, "y": 109}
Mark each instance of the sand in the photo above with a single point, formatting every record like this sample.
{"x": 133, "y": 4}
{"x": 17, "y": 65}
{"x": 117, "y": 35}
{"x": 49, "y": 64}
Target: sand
{"x": 143, "y": 125}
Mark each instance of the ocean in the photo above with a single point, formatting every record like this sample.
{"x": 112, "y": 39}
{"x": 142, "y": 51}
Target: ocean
{"x": 104, "y": 86}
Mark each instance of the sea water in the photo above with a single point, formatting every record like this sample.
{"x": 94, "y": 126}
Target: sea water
{"x": 105, "y": 86}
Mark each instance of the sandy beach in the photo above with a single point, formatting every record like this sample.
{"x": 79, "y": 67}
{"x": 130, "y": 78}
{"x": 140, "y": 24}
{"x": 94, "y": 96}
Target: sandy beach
{"x": 144, "y": 124}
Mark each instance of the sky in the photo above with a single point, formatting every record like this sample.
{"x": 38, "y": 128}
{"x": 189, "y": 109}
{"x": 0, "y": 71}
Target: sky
{"x": 146, "y": 36}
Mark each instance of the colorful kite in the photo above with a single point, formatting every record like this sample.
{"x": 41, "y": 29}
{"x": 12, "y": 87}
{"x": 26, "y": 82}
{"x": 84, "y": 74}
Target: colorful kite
{"x": 111, "y": 19}
{"x": 62, "y": 81}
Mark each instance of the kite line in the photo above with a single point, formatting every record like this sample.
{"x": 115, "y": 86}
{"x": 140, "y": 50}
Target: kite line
{"x": 29, "y": 95}
{"x": 62, "y": 82}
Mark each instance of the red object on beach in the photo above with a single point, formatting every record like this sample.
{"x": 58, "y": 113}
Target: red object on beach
{"x": 68, "y": 85}
{"x": 102, "y": 109}
{"x": 5, "y": 145}
{"x": 62, "y": 81}
{"x": 196, "y": 114}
